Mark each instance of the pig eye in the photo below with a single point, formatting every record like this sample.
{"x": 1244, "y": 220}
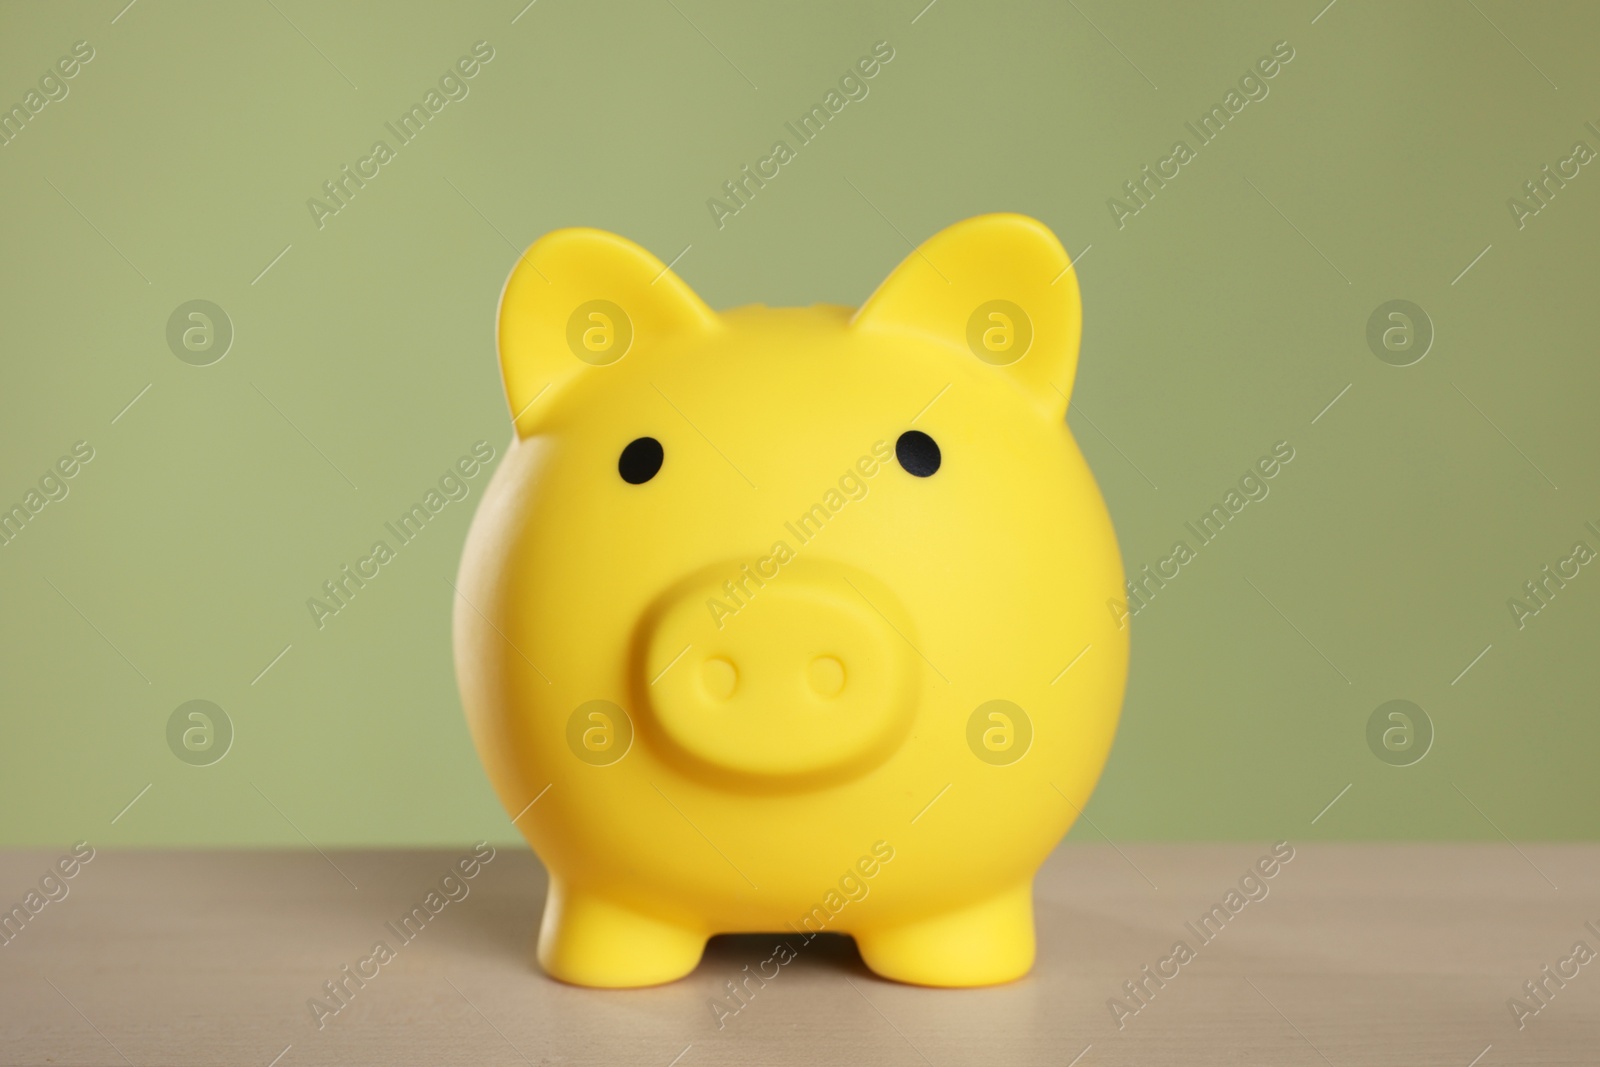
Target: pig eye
{"x": 641, "y": 460}
{"x": 918, "y": 453}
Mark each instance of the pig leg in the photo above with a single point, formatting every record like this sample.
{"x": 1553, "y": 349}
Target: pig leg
{"x": 592, "y": 941}
{"x": 984, "y": 943}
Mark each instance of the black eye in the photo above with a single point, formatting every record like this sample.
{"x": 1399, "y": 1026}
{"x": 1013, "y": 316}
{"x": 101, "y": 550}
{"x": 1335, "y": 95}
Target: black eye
{"x": 642, "y": 458}
{"x": 918, "y": 453}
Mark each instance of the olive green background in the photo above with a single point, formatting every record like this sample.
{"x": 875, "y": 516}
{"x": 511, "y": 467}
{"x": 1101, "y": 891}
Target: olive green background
{"x": 1222, "y": 319}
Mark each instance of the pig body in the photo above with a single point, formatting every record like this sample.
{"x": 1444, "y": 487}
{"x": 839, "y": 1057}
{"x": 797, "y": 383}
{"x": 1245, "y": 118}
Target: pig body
{"x": 792, "y": 620}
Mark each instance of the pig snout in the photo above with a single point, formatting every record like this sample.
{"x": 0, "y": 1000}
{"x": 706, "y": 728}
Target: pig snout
{"x": 802, "y": 672}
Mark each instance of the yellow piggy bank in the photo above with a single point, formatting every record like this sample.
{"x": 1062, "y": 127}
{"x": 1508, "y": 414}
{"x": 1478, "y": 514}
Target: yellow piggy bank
{"x": 792, "y": 619}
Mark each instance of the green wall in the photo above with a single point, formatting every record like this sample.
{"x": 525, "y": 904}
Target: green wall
{"x": 1221, "y": 318}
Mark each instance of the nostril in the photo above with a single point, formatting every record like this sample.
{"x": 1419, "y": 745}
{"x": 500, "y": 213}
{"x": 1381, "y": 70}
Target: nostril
{"x": 720, "y": 677}
{"x": 826, "y": 676}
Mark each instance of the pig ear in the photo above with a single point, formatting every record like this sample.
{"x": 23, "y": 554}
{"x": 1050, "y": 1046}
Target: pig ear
{"x": 577, "y": 302}
{"x": 1001, "y": 290}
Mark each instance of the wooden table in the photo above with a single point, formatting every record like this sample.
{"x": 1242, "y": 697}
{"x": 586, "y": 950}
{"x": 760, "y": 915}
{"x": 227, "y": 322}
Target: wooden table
{"x": 1358, "y": 954}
